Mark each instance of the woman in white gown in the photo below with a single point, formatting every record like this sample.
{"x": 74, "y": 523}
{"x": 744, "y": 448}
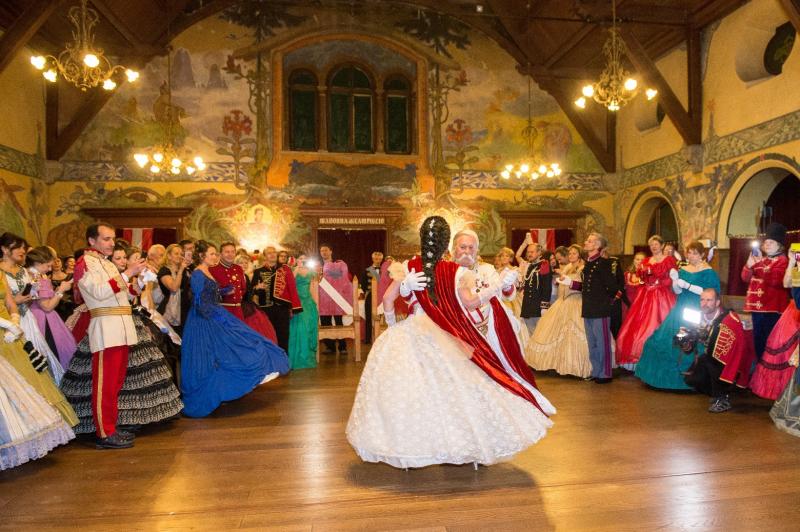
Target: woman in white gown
{"x": 422, "y": 400}
{"x": 559, "y": 341}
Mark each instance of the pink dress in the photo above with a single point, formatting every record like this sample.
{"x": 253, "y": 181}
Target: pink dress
{"x": 57, "y": 334}
{"x": 337, "y": 274}
{"x": 651, "y": 307}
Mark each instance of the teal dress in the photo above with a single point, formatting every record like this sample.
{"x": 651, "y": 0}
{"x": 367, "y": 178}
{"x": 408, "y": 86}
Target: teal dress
{"x": 304, "y": 327}
{"x": 662, "y": 363}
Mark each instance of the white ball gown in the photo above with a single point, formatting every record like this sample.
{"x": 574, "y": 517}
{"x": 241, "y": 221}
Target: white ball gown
{"x": 421, "y": 401}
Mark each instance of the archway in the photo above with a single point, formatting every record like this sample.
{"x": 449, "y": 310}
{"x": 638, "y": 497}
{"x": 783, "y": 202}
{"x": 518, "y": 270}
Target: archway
{"x": 651, "y": 212}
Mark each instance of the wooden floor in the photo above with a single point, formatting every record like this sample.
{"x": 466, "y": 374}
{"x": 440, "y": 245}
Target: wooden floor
{"x": 620, "y": 457}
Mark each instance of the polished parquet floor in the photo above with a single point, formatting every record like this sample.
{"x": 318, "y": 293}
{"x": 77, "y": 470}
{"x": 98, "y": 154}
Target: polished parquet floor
{"x": 620, "y": 457}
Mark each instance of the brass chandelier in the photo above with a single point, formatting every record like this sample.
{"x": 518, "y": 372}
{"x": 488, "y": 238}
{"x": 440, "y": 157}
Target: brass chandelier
{"x": 165, "y": 157}
{"x": 81, "y": 63}
{"x": 531, "y": 167}
{"x": 616, "y": 87}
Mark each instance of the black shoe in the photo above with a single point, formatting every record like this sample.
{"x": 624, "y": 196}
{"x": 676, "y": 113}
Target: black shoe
{"x": 602, "y": 380}
{"x": 125, "y": 434}
{"x": 115, "y": 441}
{"x": 720, "y": 405}
{"x": 128, "y": 429}
{"x": 588, "y": 379}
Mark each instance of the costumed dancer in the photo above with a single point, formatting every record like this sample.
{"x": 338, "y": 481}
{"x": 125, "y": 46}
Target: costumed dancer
{"x": 26, "y": 361}
{"x": 774, "y": 370}
{"x": 222, "y": 358}
{"x": 559, "y": 341}
{"x": 111, "y": 330}
{"x": 536, "y": 283}
{"x": 275, "y": 292}
{"x": 514, "y": 304}
{"x": 433, "y": 389}
{"x": 227, "y": 274}
{"x": 56, "y": 334}
{"x": 173, "y": 283}
{"x": 29, "y": 427}
{"x": 727, "y": 355}
{"x": 148, "y": 394}
{"x": 24, "y": 290}
{"x": 766, "y": 296}
{"x": 335, "y": 295}
{"x": 304, "y": 328}
{"x": 651, "y": 307}
{"x": 599, "y": 290}
{"x": 663, "y": 363}
{"x": 785, "y": 413}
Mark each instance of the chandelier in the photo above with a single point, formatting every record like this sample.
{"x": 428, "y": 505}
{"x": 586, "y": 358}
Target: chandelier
{"x": 165, "y": 157}
{"x": 531, "y": 167}
{"x": 615, "y": 87}
{"x": 81, "y": 63}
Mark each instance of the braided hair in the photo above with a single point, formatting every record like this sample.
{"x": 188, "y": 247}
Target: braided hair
{"x": 434, "y": 237}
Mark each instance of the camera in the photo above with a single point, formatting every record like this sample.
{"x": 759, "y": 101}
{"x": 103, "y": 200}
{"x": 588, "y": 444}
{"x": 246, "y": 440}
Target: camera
{"x": 686, "y": 338}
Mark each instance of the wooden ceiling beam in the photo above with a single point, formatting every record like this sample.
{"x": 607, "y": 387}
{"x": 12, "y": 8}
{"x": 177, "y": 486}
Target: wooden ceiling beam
{"x": 25, "y": 27}
{"x": 566, "y": 47}
{"x": 792, "y": 9}
{"x": 713, "y": 11}
{"x": 647, "y": 68}
{"x": 117, "y": 23}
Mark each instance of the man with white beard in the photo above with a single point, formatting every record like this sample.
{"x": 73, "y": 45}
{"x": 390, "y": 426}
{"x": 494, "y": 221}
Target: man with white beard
{"x": 481, "y": 276}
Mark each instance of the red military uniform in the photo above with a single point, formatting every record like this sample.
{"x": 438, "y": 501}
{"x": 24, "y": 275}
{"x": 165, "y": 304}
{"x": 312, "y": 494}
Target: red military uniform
{"x": 732, "y": 345}
{"x": 231, "y": 276}
{"x": 765, "y": 292}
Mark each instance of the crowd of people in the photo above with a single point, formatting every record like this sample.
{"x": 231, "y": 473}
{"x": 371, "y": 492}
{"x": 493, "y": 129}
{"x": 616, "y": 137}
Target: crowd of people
{"x": 115, "y": 337}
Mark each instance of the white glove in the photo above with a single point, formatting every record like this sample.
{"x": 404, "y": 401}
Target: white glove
{"x": 9, "y": 337}
{"x": 390, "y": 317}
{"x": 673, "y": 274}
{"x": 695, "y": 289}
{"x": 11, "y": 327}
{"x": 510, "y": 279}
{"x": 415, "y": 281}
{"x": 487, "y": 294}
{"x": 682, "y": 283}
{"x": 147, "y": 276}
{"x": 566, "y": 281}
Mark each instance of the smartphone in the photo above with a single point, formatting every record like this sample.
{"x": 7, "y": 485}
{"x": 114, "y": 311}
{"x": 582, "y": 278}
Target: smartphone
{"x": 27, "y": 290}
{"x": 756, "y": 245}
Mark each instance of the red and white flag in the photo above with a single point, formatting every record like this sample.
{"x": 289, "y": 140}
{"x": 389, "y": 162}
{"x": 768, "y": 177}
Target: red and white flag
{"x": 545, "y": 237}
{"x": 140, "y": 237}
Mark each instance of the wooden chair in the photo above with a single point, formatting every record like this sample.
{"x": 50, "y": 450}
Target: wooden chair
{"x": 343, "y": 332}
{"x": 378, "y": 322}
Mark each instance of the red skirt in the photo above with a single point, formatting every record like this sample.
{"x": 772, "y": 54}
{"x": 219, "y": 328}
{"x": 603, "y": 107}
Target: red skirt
{"x": 773, "y": 370}
{"x": 645, "y": 315}
{"x": 256, "y": 320}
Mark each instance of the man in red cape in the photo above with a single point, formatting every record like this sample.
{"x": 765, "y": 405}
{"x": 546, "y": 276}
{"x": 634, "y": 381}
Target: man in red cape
{"x": 448, "y": 314}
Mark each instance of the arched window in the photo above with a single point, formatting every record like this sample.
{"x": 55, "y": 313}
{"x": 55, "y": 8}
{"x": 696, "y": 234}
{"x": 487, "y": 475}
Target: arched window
{"x": 778, "y": 48}
{"x": 398, "y": 115}
{"x": 350, "y": 112}
{"x": 662, "y": 222}
{"x": 302, "y": 111}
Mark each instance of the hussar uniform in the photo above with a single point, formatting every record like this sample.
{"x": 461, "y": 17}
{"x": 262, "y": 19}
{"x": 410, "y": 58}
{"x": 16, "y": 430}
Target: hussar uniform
{"x": 111, "y": 332}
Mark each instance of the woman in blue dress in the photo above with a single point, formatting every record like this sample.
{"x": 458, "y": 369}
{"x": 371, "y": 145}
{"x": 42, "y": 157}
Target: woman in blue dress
{"x": 662, "y": 363}
{"x": 304, "y": 328}
{"x": 222, "y": 358}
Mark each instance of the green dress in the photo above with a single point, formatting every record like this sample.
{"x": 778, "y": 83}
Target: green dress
{"x": 41, "y": 381}
{"x": 304, "y": 327}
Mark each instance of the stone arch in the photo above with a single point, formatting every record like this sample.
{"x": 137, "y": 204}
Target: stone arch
{"x": 751, "y": 186}
{"x": 638, "y": 218}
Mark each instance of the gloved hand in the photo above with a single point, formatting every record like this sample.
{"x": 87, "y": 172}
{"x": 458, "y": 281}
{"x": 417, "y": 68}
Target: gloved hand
{"x": 673, "y": 274}
{"x": 487, "y": 294}
{"x": 510, "y": 279}
{"x": 682, "y": 283}
{"x": 9, "y": 337}
{"x": 11, "y": 326}
{"x": 390, "y": 317}
{"x": 415, "y": 281}
{"x": 566, "y": 281}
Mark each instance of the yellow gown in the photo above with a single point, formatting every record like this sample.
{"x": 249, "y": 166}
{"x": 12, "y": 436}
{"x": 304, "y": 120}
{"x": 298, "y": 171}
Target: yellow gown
{"x": 16, "y": 355}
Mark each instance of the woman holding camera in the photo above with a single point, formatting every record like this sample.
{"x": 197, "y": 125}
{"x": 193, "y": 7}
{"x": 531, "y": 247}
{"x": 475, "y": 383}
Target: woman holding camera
{"x": 766, "y": 296}
{"x": 774, "y": 369}
{"x": 663, "y": 363}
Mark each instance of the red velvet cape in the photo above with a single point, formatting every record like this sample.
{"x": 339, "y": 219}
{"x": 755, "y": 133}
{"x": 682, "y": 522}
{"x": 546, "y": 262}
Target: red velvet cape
{"x": 449, "y": 315}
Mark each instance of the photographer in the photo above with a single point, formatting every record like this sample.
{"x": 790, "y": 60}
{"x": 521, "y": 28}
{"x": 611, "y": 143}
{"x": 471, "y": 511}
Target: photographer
{"x": 766, "y": 296}
{"x": 728, "y": 352}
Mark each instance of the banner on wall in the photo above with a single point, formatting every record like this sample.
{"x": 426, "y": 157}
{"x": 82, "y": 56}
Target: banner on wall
{"x": 545, "y": 237}
{"x": 141, "y": 237}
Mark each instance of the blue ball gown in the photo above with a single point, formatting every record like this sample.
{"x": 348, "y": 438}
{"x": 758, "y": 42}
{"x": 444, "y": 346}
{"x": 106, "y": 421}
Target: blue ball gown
{"x": 222, "y": 358}
{"x": 662, "y": 363}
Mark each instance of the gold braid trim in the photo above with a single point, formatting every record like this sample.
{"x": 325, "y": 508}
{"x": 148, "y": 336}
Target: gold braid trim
{"x": 724, "y": 343}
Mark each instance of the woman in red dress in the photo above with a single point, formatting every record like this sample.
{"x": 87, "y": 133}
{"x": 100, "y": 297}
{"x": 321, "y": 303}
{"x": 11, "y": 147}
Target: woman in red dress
{"x": 633, "y": 284}
{"x": 652, "y": 305}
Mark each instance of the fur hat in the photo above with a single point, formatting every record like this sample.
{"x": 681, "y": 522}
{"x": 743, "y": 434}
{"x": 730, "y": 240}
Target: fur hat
{"x": 776, "y": 232}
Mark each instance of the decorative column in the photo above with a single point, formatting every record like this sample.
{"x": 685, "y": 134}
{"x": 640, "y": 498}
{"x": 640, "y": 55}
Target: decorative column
{"x": 322, "y": 115}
